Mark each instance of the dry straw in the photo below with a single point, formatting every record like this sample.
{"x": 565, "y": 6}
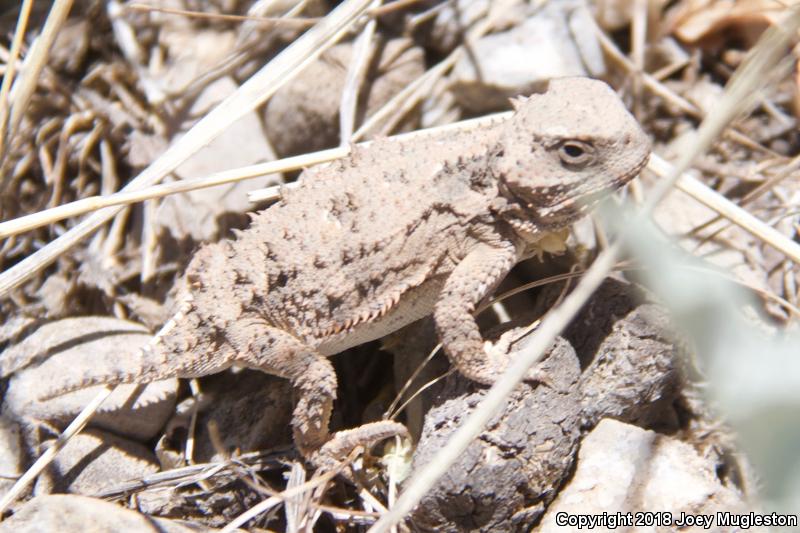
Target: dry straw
{"x": 260, "y": 87}
{"x": 750, "y": 76}
{"x": 252, "y": 93}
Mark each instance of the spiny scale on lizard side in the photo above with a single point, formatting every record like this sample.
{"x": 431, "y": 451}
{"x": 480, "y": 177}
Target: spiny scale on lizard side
{"x": 392, "y": 233}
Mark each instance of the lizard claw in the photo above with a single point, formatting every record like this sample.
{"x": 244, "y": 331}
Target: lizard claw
{"x": 341, "y": 443}
{"x": 500, "y": 353}
{"x": 537, "y": 375}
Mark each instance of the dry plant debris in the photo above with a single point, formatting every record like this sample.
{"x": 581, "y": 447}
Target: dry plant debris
{"x": 124, "y": 81}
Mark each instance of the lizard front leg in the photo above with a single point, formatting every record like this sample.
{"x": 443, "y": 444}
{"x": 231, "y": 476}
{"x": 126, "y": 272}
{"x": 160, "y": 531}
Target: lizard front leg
{"x": 472, "y": 279}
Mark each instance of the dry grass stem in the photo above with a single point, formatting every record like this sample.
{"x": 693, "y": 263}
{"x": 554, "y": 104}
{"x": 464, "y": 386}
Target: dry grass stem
{"x": 648, "y": 80}
{"x": 35, "y": 62}
{"x": 272, "y": 21}
{"x": 249, "y": 95}
{"x": 391, "y": 7}
{"x": 727, "y": 209}
{"x": 251, "y": 513}
{"x": 363, "y": 50}
{"x": 288, "y": 494}
{"x": 125, "y": 197}
{"x": 47, "y": 457}
{"x": 756, "y": 193}
{"x": 10, "y": 71}
{"x": 296, "y": 508}
{"x": 409, "y": 94}
{"x": 193, "y": 474}
{"x": 747, "y": 80}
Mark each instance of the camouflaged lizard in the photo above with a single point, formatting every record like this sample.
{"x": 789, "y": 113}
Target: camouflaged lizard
{"x": 394, "y": 232}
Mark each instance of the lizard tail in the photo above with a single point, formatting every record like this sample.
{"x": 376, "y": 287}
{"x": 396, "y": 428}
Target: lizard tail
{"x": 152, "y": 362}
{"x": 91, "y": 381}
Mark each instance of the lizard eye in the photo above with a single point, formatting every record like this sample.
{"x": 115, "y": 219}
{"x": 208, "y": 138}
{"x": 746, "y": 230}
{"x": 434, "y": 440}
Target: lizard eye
{"x": 575, "y": 154}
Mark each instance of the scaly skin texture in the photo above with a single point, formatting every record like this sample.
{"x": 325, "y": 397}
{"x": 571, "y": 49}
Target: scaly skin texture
{"x": 392, "y": 233}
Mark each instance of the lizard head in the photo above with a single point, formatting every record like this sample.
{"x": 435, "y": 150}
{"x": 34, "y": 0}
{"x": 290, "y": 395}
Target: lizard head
{"x": 566, "y": 148}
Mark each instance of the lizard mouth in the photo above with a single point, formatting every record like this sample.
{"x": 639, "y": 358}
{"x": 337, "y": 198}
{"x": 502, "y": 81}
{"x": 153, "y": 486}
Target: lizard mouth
{"x": 559, "y": 212}
{"x": 564, "y": 204}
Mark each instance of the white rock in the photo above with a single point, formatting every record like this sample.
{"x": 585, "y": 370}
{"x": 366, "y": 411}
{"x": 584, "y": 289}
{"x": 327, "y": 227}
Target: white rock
{"x": 551, "y": 43}
{"x": 623, "y": 468}
{"x": 11, "y": 456}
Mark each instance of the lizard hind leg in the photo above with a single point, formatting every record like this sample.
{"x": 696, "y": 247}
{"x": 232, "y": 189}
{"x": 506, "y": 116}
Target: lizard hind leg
{"x": 313, "y": 379}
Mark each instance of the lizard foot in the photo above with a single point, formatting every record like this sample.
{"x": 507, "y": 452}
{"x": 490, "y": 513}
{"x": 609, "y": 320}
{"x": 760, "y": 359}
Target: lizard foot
{"x": 341, "y": 443}
{"x": 502, "y": 351}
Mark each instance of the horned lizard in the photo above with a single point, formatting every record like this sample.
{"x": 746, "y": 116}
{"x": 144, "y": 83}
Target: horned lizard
{"x": 384, "y": 237}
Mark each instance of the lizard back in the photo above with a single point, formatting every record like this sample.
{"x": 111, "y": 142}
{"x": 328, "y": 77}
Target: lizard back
{"x": 342, "y": 248}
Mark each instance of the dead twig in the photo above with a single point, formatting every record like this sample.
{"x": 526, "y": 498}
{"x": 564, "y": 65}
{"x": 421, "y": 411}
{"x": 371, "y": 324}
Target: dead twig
{"x": 252, "y": 93}
{"x": 750, "y": 76}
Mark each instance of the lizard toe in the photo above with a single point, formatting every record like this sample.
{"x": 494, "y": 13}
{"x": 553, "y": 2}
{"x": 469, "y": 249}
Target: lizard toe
{"x": 341, "y": 443}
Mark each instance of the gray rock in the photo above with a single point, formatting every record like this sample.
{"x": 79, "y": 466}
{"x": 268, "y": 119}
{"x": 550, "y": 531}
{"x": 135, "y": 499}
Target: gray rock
{"x": 72, "y": 513}
{"x": 634, "y": 375}
{"x": 94, "y": 461}
{"x": 504, "y": 478}
{"x": 249, "y": 410}
{"x": 82, "y": 347}
{"x": 615, "y": 359}
{"x": 303, "y": 116}
{"x": 238, "y": 412}
{"x": 629, "y": 356}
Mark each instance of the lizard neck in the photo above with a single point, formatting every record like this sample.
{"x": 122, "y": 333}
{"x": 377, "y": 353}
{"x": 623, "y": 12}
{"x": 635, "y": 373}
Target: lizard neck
{"x": 513, "y": 210}
{"x": 536, "y": 235}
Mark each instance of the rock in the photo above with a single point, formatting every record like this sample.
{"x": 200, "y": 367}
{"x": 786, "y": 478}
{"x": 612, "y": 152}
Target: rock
{"x": 631, "y": 369}
{"x": 11, "y": 454}
{"x": 191, "y": 52}
{"x": 82, "y": 347}
{"x": 553, "y": 41}
{"x": 206, "y": 214}
{"x": 303, "y": 116}
{"x": 623, "y": 468}
{"x": 504, "y": 478}
{"x": 93, "y": 461}
{"x": 634, "y": 375}
{"x": 68, "y": 513}
{"x": 617, "y": 358}
{"x": 249, "y": 410}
